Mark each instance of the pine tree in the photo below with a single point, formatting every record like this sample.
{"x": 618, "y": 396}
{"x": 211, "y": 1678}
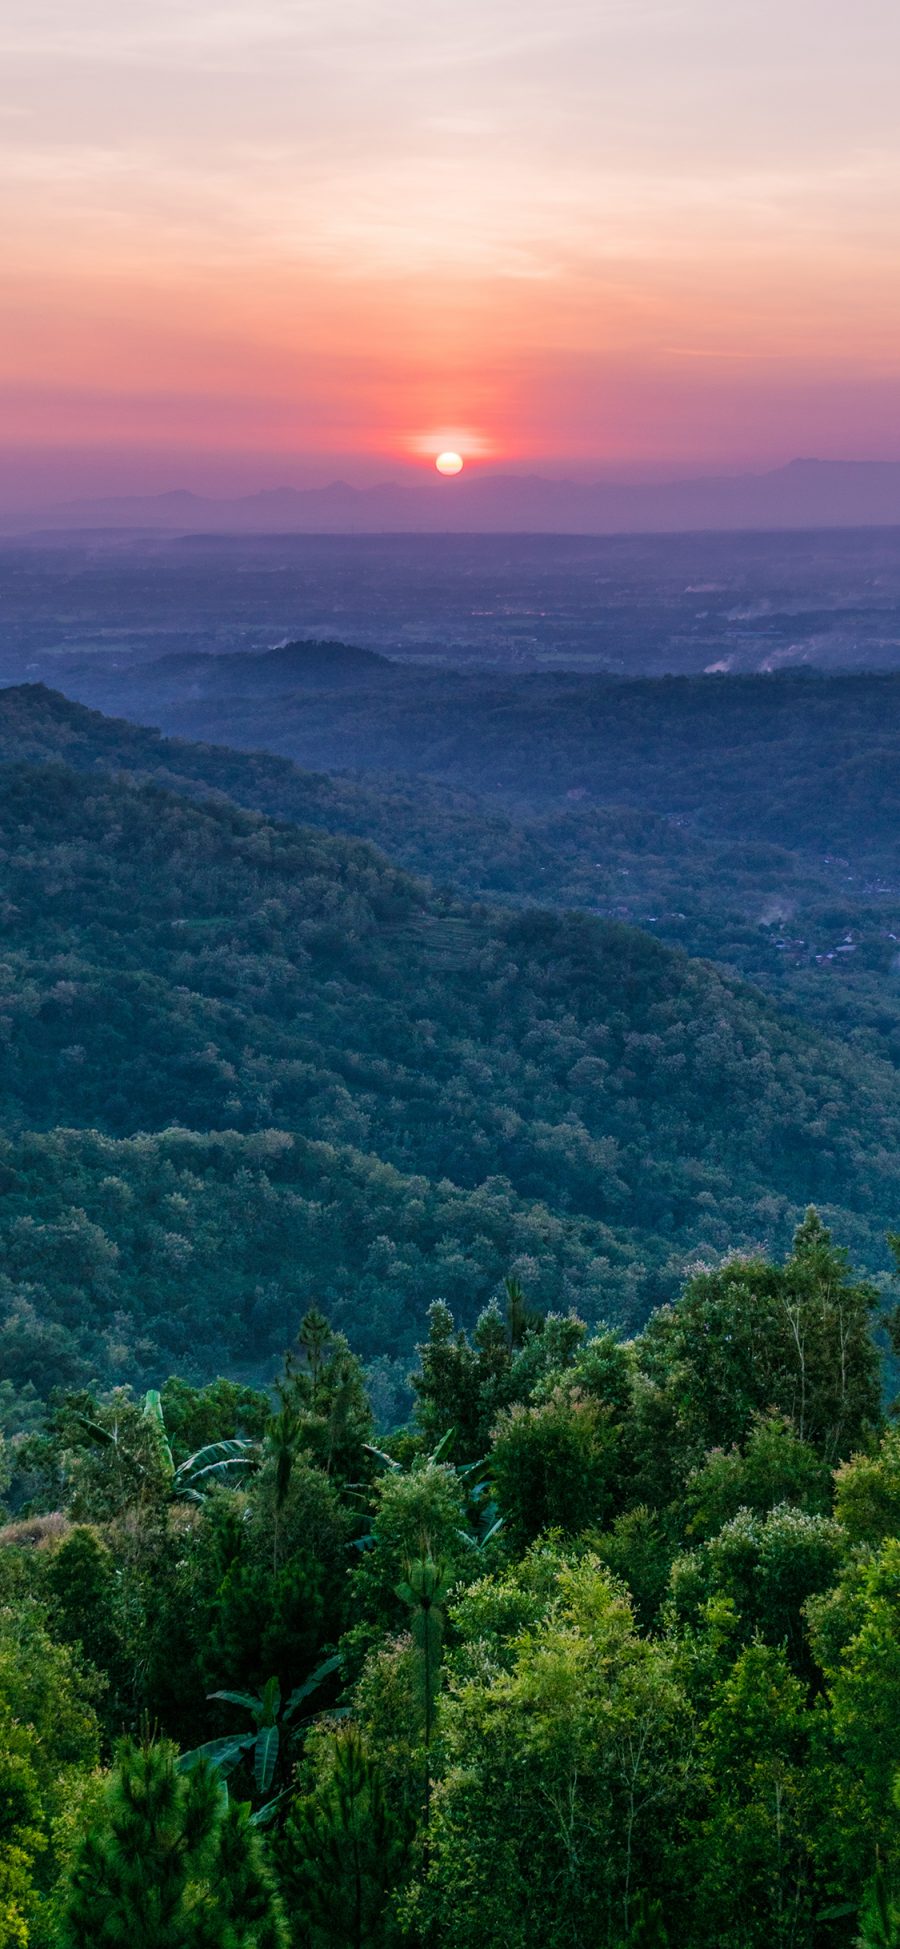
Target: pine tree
{"x": 171, "y": 1866}
{"x": 340, "y": 1848}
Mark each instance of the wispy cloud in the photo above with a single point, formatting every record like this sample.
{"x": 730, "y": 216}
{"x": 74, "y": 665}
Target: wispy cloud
{"x": 255, "y": 194}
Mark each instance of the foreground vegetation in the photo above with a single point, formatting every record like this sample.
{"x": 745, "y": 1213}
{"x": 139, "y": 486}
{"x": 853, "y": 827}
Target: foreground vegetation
{"x": 601, "y": 1649}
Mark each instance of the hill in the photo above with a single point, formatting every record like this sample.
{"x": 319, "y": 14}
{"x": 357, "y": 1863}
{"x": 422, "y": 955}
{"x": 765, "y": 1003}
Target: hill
{"x": 797, "y": 759}
{"x": 290, "y": 666}
{"x": 804, "y": 494}
{"x": 749, "y": 821}
{"x": 571, "y": 1091}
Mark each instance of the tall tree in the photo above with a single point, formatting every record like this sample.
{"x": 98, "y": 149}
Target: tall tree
{"x": 339, "y": 1852}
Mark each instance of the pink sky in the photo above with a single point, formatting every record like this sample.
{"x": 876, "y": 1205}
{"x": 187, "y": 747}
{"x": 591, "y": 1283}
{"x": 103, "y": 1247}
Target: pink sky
{"x": 280, "y": 241}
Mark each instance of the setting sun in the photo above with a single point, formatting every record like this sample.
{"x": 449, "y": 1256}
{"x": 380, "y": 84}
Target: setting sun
{"x": 449, "y": 463}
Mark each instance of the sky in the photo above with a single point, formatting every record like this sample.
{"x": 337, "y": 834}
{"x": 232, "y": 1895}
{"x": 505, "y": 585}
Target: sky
{"x": 300, "y": 239}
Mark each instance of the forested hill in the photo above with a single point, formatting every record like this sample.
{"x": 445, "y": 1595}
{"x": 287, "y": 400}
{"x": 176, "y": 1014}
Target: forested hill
{"x": 290, "y": 666}
{"x": 570, "y": 1097}
{"x": 801, "y": 759}
{"x": 819, "y": 931}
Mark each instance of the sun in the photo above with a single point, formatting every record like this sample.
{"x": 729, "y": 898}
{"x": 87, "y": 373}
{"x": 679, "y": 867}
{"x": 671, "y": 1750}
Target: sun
{"x": 449, "y": 463}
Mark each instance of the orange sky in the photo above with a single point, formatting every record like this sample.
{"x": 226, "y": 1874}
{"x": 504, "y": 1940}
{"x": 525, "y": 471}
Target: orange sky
{"x": 603, "y": 236}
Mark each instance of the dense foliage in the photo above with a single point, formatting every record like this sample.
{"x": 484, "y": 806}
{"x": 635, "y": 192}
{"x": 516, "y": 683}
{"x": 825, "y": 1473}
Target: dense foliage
{"x": 409, "y": 1094}
{"x": 602, "y": 1649}
{"x": 586, "y": 1635}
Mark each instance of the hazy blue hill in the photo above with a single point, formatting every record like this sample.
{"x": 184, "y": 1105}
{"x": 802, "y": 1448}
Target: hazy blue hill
{"x": 802, "y": 760}
{"x": 772, "y": 908}
{"x": 806, "y": 493}
{"x": 173, "y": 963}
{"x": 291, "y": 666}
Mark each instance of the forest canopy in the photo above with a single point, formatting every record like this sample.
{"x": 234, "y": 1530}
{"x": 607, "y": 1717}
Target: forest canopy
{"x": 600, "y": 1649}
{"x": 411, "y": 1095}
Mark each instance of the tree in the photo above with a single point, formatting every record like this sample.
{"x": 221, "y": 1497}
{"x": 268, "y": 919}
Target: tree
{"x": 555, "y": 1466}
{"x": 424, "y": 1590}
{"x": 867, "y": 1492}
{"x": 774, "y": 1466}
{"x": 648, "y": 1929}
{"x": 463, "y": 1384}
{"x": 418, "y": 1515}
{"x": 84, "y": 1583}
{"x": 339, "y": 1851}
{"x": 856, "y": 1631}
{"x": 567, "y": 1772}
{"x": 767, "y": 1569}
{"x": 880, "y": 1917}
{"x": 638, "y": 1551}
{"x": 754, "y": 1339}
{"x": 23, "y": 1836}
{"x": 283, "y": 1441}
{"x": 325, "y": 1408}
{"x": 754, "y": 1859}
{"x": 265, "y": 1617}
{"x": 170, "y": 1865}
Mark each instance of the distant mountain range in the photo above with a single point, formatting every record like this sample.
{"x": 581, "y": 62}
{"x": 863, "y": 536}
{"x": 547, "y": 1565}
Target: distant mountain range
{"x": 804, "y": 494}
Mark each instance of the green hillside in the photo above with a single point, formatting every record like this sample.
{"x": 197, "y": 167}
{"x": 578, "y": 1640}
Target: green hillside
{"x": 819, "y": 932}
{"x": 572, "y": 1095}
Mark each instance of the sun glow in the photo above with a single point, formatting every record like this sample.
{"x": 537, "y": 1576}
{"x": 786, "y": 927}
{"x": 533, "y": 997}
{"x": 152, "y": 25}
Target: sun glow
{"x": 449, "y": 463}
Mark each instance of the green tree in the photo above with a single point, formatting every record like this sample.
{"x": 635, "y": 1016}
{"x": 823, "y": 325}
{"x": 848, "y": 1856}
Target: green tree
{"x": 84, "y": 1584}
{"x": 880, "y": 1916}
{"x": 752, "y": 1339}
{"x": 265, "y": 1616}
{"x": 639, "y": 1552}
{"x": 464, "y": 1383}
{"x": 325, "y": 1408}
{"x": 170, "y": 1865}
{"x": 767, "y": 1568}
{"x": 856, "y": 1633}
{"x": 867, "y": 1492}
{"x": 339, "y": 1853}
{"x": 567, "y": 1773}
{"x": 555, "y": 1465}
{"x": 648, "y": 1929}
{"x": 774, "y": 1466}
{"x": 424, "y": 1590}
{"x": 754, "y": 1858}
{"x": 23, "y": 1835}
{"x": 418, "y": 1514}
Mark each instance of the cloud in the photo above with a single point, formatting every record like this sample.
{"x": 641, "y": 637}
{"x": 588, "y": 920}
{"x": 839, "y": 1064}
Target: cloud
{"x": 224, "y": 195}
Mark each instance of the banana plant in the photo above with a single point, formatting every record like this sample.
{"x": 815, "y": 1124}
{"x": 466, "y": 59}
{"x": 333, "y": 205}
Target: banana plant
{"x": 263, "y": 1739}
{"x": 191, "y": 1480}
{"x": 438, "y": 1454}
{"x": 485, "y": 1521}
{"x": 217, "y": 1461}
